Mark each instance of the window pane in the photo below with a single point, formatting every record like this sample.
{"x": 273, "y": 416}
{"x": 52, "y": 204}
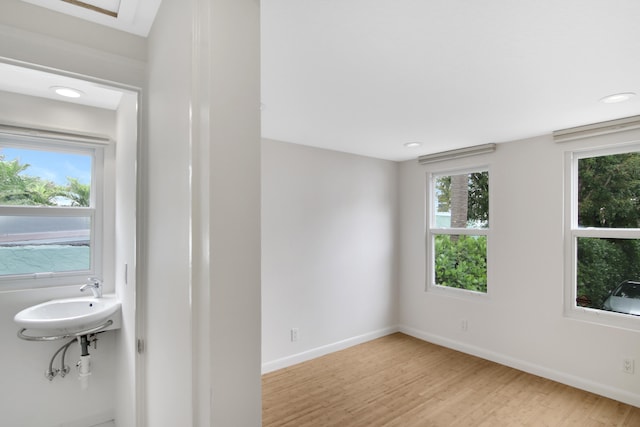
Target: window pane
{"x": 609, "y": 191}
{"x": 603, "y": 265}
{"x": 461, "y": 261}
{"x": 462, "y": 201}
{"x": 30, "y": 244}
{"x": 44, "y": 178}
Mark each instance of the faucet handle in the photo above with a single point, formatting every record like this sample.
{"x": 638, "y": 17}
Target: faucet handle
{"x": 95, "y": 284}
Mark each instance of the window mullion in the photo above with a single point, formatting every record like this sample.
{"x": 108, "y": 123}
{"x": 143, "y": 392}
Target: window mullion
{"x": 461, "y": 231}
{"x": 48, "y": 211}
{"x": 607, "y": 233}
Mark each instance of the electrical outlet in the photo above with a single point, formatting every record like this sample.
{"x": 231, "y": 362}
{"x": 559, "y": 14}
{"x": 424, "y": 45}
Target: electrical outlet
{"x": 464, "y": 325}
{"x": 627, "y": 365}
{"x": 294, "y": 334}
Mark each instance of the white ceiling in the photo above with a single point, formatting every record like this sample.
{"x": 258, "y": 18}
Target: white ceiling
{"x": 367, "y": 76}
{"x": 40, "y": 83}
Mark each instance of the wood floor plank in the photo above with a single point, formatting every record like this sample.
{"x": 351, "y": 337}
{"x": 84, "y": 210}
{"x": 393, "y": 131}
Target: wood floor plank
{"x": 400, "y": 381}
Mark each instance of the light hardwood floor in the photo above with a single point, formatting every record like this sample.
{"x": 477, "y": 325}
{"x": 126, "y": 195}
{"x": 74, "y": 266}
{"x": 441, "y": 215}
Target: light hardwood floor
{"x": 401, "y": 381}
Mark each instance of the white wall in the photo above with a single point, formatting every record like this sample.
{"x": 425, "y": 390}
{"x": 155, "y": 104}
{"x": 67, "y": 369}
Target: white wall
{"x": 55, "y": 114}
{"x": 168, "y": 280}
{"x": 234, "y": 217}
{"x": 24, "y": 386}
{"x": 520, "y": 323}
{"x": 329, "y": 245}
{"x": 203, "y": 210}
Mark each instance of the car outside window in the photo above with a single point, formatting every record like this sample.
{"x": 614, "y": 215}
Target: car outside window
{"x": 604, "y": 231}
{"x": 624, "y": 299}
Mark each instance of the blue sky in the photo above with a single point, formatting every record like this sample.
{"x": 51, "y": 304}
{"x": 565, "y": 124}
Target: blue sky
{"x": 52, "y": 166}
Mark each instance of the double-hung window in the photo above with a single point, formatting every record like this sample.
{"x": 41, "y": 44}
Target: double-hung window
{"x": 50, "y": 211}
{"x": 603, "y": 234}
{"x": 458, "y": 230}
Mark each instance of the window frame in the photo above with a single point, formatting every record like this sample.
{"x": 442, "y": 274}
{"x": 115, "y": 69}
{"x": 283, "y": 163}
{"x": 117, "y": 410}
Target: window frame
{"x": 432, "y": 231}
{"x": 572, "y": 232}
{"x": 95, "y": 211}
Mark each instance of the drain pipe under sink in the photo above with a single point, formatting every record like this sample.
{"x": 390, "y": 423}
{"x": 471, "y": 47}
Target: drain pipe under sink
{"x": 84, "y": 364}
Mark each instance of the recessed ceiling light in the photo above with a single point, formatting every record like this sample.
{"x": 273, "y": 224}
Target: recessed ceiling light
{"x": 67, "y": 92}
{"x": 412, "y": 144}
{"x": 617, "y": 97}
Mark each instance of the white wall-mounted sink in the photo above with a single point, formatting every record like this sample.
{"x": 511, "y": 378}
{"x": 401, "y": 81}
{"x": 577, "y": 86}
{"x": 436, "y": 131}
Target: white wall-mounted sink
{"x": 69, "y": 314}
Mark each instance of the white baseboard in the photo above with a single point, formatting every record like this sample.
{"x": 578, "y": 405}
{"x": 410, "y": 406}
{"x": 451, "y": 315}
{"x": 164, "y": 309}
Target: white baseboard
{"x": 541, "y": 371}
{"x": 294, "y": 359}
{"x": 104, "y": 419}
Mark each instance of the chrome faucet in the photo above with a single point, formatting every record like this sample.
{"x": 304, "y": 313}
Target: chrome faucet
{"x": 95, "y": 285}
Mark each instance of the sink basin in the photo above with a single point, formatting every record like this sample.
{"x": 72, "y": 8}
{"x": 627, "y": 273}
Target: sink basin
{"x": 69, "y": 314}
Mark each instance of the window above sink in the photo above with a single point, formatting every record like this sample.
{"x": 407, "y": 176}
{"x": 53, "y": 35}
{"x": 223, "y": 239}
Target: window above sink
{"x": 51, "y": 201}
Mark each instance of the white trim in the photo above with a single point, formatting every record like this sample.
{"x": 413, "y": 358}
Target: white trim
{"x": 458, "y": 292}
{"x": 313, "y": 353}
{"x": 141, "y": 263}
{"x": 570, "y": 256}
{"x": 105, "y": 418}
{"x": 200, "y": 214}
{"x": 460, "y": 231}
{"x": 531, "y": 368}
{"x": 51, "y": 211}
{"x": 607, "y": 233}
{"x": 133, "y": 16}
